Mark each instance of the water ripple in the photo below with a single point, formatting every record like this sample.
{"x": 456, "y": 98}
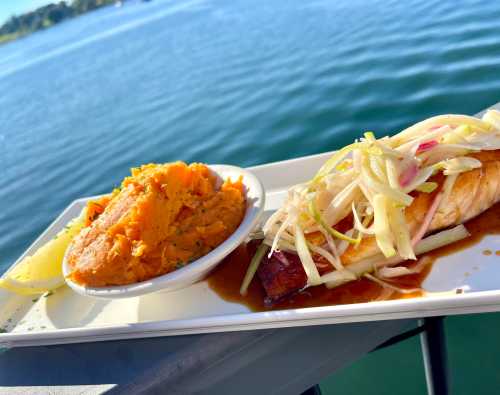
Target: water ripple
{"x": 227, "y": 82}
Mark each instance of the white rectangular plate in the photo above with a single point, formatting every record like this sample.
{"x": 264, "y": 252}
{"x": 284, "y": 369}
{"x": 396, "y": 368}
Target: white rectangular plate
{"x": 66, "y": 317}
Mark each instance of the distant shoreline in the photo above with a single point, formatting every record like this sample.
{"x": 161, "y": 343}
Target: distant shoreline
{"x": 18, "y": 26}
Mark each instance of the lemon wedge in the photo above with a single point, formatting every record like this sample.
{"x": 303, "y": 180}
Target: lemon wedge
{"x": 42, "y": 271}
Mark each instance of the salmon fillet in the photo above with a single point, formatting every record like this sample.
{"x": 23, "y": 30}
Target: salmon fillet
{"x": 473, "y": 192}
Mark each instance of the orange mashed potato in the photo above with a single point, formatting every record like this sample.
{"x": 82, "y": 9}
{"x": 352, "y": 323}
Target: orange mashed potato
{"x": 162, "y": 218}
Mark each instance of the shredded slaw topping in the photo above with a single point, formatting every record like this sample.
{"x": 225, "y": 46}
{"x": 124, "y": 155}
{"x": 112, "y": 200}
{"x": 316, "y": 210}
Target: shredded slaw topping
{"x": 373, "y": 179}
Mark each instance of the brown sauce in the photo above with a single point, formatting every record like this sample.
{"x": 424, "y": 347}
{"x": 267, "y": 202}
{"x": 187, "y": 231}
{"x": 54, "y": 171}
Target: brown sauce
{"x": 226, "y": 279}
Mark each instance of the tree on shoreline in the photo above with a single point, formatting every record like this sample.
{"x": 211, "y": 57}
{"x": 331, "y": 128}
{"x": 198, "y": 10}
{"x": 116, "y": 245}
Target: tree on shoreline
{"x": 46, "y": 16}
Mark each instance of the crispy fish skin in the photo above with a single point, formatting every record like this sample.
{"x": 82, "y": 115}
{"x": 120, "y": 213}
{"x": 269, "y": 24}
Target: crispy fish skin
{"x": 473, "y": 192}
{"x": 279, "y": 277}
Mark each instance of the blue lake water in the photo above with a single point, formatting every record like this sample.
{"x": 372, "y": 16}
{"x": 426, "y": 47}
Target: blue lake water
{"x": 229, "y": 82}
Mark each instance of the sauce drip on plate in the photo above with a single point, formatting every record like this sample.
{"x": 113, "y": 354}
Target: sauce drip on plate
{"x": 226, "y": 279}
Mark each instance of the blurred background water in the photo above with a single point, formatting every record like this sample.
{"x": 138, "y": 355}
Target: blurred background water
{"x": 240, "y": 82}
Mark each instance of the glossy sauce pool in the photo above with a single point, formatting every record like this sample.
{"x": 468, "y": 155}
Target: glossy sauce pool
{"x": 226, "y": 279}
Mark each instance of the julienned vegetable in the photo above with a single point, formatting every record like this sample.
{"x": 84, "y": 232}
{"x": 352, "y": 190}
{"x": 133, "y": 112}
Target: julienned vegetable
{"x": 252, "y": 268}
{"x": 430, "y": 243}
{"x": 375, "y": 181}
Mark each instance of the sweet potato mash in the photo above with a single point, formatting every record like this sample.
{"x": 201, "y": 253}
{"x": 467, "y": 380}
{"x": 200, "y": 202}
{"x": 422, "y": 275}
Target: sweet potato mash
{"x": 162, "y": 218}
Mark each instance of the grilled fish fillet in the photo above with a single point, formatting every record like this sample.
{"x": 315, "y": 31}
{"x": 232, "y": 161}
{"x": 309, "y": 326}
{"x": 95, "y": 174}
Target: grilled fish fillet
{"x": 473, "y": 192}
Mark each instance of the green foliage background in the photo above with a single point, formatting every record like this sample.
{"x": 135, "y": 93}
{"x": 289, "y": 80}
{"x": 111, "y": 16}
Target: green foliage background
{"x": 46, "y": 16}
